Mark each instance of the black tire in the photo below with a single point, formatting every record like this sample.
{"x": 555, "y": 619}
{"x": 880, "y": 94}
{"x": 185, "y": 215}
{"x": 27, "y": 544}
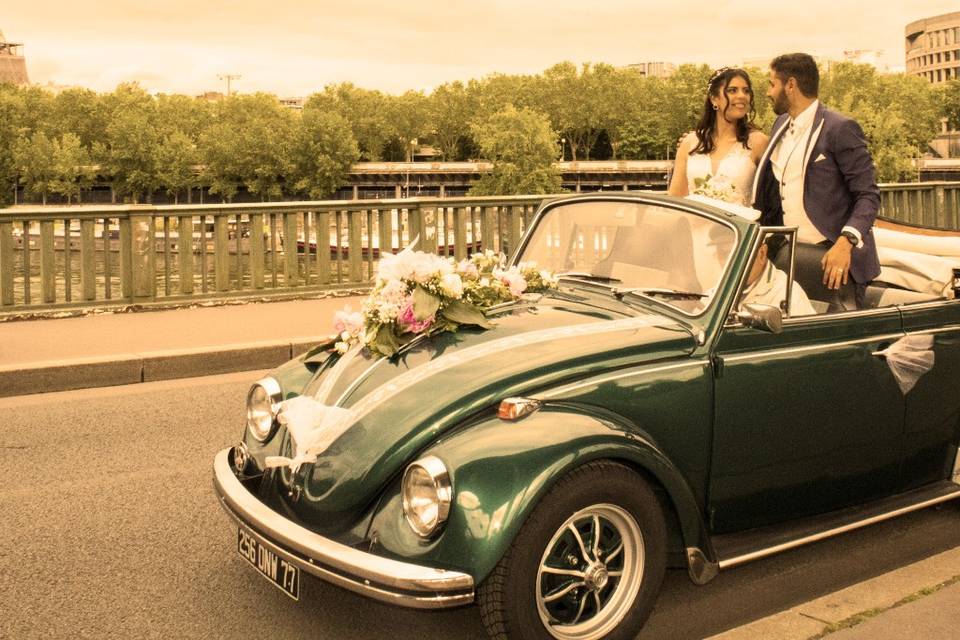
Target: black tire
{"x": 523, "y": 591}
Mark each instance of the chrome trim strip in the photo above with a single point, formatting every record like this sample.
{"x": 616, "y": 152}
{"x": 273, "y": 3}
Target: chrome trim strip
{"x": 573, "y": 386}
{"x": 928, "y": 305}
{"x": 932, "y": 331}
{"x": 854, "y": 313}
{"x": 809, "y": 347}
{"x": 383, "y": 579}
{"x": 829, "y": 533}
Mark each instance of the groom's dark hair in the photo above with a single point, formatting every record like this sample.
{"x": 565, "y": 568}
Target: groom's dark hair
{"x": 800, "y": 66}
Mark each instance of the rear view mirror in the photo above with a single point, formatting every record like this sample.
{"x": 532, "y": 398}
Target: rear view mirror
{"x": 761, "y": 316}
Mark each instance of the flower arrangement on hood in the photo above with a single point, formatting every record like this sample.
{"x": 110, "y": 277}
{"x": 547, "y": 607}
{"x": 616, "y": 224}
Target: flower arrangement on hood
{"x": 419, "y": 293}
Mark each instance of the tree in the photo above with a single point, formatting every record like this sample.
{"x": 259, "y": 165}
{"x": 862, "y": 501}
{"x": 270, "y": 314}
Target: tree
{"x": 11, "y": 118}
{"x": 408, "y": 121}
{"x": 451, "y": 110}
{"x": 72, "y": 171}
{"x": 899, "y": 114}
{"x": 80, "y": 112}
{"x": 324, "y": 151}
{"x": 949, "y": 97}
{"x": 177, "y": 160}
{"x": 34, "y": 161}
{"x": 131, "y": 141}
{"x": 365, "y": 110}
{"x": 522, "y": 147}
{"x": 249, "y": 144}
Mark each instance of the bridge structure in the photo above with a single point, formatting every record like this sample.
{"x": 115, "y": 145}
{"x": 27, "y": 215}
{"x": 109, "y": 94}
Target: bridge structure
{"x": 450, "y": 179}
{"x": 55, "y": 259}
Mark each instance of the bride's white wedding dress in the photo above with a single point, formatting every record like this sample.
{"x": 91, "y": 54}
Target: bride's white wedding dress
{"x": 735, "y": 170}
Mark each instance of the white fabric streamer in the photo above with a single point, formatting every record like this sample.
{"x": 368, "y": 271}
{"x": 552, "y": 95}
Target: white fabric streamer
{"x": 909, "y": 358}
{"x": 313, "y": 426}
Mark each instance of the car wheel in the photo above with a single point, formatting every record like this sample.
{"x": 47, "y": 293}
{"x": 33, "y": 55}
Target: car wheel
{"x": 587, "y": 563}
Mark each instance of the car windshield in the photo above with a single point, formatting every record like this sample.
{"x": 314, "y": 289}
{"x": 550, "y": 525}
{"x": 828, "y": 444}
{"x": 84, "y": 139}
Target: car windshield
{"x": 635, "y": 248}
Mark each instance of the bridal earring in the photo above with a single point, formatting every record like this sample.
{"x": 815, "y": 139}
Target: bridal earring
{"x": 716, "y": 108}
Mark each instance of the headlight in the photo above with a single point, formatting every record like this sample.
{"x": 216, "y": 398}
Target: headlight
{"x": 426, "y": 495}
{"x": 263, "y": 402}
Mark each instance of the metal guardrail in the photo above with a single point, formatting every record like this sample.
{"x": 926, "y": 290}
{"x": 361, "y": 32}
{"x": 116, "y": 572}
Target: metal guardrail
{"x": 928, "y": 204}
{"x": 58, "y": 258}
{"x": 72, "y": 257}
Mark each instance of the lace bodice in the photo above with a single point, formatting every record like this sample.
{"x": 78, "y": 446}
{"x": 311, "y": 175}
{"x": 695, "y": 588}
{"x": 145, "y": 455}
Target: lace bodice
{"x": 735, "y": 170}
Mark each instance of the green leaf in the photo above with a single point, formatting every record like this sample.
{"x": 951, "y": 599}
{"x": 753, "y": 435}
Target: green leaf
{"x": 425, "y": 304}
{"x": 466, "y": 314}
{"x": 386, "y": 342}
{"x": 320, "y": 352}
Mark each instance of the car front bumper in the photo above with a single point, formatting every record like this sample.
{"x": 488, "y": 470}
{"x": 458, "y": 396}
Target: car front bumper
{"x": 383, "y": 579}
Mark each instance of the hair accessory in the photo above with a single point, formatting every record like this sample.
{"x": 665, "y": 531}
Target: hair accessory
{"x": 716, "y": 74}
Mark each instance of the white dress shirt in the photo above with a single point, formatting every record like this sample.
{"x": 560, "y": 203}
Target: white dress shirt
{"x": 788, "y": 169}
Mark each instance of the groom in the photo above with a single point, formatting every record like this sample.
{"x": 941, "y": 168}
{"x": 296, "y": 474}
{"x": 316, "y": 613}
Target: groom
{"x": 817, "y": 175}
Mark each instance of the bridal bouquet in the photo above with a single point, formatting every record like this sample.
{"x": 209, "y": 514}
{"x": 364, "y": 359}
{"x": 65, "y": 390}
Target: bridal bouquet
{"x": 716, "y": 188}
{"x": 418, "y": 293}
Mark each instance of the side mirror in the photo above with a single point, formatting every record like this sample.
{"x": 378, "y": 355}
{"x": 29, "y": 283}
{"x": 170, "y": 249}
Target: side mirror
{"x": 761, "y": 316}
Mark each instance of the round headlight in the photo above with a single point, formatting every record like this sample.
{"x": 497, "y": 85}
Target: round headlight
{"x": 263, "y": 402}
{"x": 426, "y": 495}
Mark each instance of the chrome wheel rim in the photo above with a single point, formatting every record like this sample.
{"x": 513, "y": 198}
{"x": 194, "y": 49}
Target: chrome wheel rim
{"x": 590, "y": 573}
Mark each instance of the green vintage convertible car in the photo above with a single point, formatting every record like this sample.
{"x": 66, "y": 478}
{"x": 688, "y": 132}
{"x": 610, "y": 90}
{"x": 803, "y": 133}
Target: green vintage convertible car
{"x": 638, "y": 416}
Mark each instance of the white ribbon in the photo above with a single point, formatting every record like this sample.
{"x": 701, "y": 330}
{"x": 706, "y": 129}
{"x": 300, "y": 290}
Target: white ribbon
{"x": 909, "y": 358}
{"x": 313, "y": 426}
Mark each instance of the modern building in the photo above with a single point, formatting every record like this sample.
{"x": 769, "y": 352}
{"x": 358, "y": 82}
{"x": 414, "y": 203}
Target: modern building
{"x": 654, "y": 69}
{"x": 933, "y": 47}
{"x": 13, "y": 66}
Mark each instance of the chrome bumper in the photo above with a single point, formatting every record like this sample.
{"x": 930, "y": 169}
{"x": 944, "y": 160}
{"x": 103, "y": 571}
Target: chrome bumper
{"x": 383, "y": 579}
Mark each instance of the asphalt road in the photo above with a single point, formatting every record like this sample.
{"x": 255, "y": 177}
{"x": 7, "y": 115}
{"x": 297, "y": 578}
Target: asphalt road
{"x": 109, "y": 528}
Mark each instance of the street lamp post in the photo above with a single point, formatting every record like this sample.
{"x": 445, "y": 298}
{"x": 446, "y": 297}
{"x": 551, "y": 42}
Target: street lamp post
{"x": 563, "y": 149}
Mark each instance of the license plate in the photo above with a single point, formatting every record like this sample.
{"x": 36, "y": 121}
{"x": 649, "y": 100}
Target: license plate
{"x": 281, "y": 573}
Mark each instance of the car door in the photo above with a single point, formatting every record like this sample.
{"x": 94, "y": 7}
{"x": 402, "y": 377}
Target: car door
{"x": 933, "y": 405}
{"x": 806, "y": 421}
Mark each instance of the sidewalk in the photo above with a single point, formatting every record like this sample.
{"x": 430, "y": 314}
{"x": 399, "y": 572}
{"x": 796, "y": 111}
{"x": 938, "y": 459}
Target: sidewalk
{"x": 915, "y": 602}
{"x": 38, "y": 356}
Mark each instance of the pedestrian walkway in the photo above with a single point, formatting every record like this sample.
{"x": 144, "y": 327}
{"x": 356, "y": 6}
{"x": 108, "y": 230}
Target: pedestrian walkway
{"x": 96, "y": 350}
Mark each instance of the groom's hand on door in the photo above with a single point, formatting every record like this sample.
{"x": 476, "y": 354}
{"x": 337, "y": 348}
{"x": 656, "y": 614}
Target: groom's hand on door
{"x": 836, "y": 264}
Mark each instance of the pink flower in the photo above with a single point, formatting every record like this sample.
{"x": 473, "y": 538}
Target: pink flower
{"x": 408, "y": 322}
{"x": 347, "y": 321}
{"x": 514, "y": 280}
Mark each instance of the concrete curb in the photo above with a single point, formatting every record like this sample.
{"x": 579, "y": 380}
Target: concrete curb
{"x": 822, "y": 615}
{"x": 85, "y": 373}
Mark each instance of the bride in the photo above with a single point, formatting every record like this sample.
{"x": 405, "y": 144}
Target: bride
{"x": 718, "y": 159}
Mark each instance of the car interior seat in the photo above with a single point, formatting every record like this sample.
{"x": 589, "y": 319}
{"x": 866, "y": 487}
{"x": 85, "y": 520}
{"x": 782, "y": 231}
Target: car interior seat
{"x": 808, "y": 273}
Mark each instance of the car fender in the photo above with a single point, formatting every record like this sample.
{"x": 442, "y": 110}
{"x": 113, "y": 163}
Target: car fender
{"x": 500, "y": 470}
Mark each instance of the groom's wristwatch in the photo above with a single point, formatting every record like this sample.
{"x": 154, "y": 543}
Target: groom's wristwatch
{"x": 852, "y": 237}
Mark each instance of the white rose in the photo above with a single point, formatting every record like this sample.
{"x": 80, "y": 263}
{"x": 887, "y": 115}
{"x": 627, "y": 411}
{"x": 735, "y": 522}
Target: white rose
{"x": 451, "y": 285}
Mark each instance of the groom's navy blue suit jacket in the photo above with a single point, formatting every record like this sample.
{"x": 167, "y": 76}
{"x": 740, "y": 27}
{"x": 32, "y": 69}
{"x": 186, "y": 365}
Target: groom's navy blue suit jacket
{"x": 839, "y": 186}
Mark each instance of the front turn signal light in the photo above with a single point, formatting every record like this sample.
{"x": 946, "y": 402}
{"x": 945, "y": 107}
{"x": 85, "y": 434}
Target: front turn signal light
{"x": 514, "y": 409}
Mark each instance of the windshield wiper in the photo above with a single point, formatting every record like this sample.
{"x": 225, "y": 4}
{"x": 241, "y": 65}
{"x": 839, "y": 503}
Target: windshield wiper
{"x": 587, "y": 276}
{"x": 657, "y": 291}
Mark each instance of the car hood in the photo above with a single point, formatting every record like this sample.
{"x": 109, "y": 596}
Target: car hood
{"x": 400, "y": 405}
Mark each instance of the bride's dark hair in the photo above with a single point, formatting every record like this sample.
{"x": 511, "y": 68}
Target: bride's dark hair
{"x": 716, "y": 86}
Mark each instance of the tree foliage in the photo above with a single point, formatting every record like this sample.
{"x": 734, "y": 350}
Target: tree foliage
{"x": 522, "y": 147}
{"x": 324, "y": 150}
{"x": 142, "y": 144}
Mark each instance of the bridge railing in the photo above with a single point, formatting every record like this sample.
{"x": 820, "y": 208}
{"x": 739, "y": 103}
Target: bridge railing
{"x": 69, "y": 257}
{"x": 930, "y": 204}
{"x": 73, "y": 257}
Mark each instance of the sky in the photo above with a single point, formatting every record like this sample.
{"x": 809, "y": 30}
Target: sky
{"x": 293, "y": 47}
